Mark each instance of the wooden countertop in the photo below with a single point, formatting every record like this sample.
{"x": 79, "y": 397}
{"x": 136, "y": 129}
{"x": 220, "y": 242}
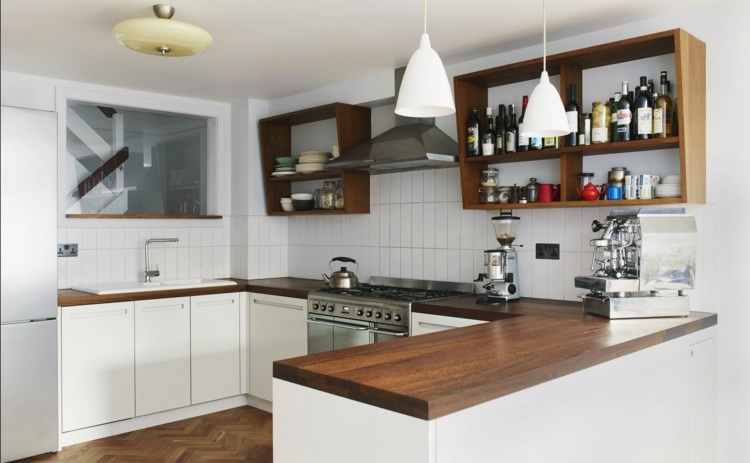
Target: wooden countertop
{"x": 530, "y": 342}
{"x": 289, "y": 287}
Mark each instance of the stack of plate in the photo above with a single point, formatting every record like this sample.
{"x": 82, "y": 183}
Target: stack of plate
{"x": 669, "y": 187}
{"x": 284, "y": 166}
{"x": 312, "y": 161}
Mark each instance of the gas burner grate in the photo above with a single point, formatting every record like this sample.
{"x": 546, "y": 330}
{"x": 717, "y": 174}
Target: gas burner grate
{"x": 393, "y": 293}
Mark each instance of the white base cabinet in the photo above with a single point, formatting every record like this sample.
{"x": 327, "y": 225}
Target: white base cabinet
{"x": 97, "y": 364}
{"x": 657, "y": 404}
{"x": 127, "y": 359}
{"x": 162, "y": 355}
{"x": 423, "y": 323}
{"x": 278, "y": 330}
{"x": 215, "y": 346}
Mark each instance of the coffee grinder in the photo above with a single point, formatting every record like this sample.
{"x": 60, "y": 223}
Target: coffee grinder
{"x": 501, "y": 265}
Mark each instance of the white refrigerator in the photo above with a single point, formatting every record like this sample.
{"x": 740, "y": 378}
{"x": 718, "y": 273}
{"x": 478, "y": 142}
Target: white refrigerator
{"x": 29, "y": 389}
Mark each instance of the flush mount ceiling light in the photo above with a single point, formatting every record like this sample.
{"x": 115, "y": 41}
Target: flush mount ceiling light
{"x": 162, "y": 35}
{"x": 425, "y": 90}
{"x": 545, "y": 114}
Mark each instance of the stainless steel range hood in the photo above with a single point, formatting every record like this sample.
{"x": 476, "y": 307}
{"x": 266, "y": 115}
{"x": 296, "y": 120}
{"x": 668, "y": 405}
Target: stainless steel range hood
{"x": 414, "y": 144}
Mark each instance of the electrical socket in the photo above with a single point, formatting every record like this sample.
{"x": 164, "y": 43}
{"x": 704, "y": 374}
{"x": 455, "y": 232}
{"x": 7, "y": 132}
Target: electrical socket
{"x": 548, "y": 251}
{"x": 67, "y": 250}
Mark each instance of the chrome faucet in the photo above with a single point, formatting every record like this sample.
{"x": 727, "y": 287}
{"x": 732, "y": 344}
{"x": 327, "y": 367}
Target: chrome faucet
{"x": 155, "y": 273}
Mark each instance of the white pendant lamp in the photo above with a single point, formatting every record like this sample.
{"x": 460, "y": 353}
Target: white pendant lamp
{"x": 425, "y": 90}
{"x": 545, "y": 114}
{"x": 162, "y": 35}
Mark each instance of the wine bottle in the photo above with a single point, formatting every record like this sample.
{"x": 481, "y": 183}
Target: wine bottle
{"x": 500, "y": 123}
{"x": 613, "y": 117}
{"x": 473, "y": 133}
{"x": 511, "y": 132}
{"x": 488, "y": 137}
{"x": 643, "y": 114}
{"x": 571, "y": 110}
{"x": 523, "y": 142}
{"x": 624, "y": 115}
{"x": 662, "y": 117}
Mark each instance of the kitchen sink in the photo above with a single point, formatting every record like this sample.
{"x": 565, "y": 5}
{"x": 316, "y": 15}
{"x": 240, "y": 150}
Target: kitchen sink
{"x": 140, "y": 286}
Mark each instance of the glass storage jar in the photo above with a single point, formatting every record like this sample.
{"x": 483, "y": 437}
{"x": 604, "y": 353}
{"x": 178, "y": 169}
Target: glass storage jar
{"x": 318, "y": 197}
{"x": 488, "y": 195}
{"x": 601, "y": 113}
{"x": 329, "y": 194}
{"x": 490, "y": 177}
{"x": 339, "y": 204}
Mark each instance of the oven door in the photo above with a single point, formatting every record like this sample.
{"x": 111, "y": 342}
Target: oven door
{"x": 326, "y": 333}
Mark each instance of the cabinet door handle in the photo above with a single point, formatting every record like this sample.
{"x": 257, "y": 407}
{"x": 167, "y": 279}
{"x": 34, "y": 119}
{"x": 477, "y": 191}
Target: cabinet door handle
{"x": 279, "y": 304}
{"x": 215, "y": 303}
{"x": 159, "y": 308}
{"x": 101, "y": 313}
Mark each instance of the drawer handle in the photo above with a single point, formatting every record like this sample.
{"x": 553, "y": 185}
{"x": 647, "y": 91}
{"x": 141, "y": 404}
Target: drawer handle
{"x": 214, "y": 303}
{"x": 435, "y": 326}
{"x": 279, "y": 304}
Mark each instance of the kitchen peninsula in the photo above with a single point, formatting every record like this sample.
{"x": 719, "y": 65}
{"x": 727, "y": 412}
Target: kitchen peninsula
{"x": 541, "y": 382}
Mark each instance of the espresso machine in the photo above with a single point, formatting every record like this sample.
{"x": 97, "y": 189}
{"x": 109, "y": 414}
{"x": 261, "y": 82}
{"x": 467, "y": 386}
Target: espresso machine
{"x": 500, "y": 279}
{"x": 643, "y": 265}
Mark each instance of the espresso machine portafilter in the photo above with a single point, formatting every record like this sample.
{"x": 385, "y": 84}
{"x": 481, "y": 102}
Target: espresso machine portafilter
{"x": 500, "y": 278}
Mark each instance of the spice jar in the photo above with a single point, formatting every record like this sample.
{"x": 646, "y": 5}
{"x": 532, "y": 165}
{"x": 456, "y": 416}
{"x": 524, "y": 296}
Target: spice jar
{"x": 601, "y": 113}
{"x": 490, "y": 177}
{"x": 339, "y": 204}
{"x": 329, "y": 195}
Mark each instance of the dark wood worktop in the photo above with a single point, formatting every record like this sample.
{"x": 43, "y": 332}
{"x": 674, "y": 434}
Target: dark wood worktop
{"x": 289, "y": 287}
{"x": 530, "y": 342}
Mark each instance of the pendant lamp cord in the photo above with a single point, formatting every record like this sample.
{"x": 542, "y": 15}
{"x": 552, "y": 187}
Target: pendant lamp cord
{"x": 425, "y": 15}
{"x": 544, "y": 33}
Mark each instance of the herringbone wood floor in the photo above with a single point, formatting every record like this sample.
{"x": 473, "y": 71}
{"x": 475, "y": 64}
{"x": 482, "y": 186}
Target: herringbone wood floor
{"x": 241, "y": 434}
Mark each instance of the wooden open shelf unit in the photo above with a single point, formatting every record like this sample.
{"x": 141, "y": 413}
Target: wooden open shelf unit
{"x": 690, "y": 66}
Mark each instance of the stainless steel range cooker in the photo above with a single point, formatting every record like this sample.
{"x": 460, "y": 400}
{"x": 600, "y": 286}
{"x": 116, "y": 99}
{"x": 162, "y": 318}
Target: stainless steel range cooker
{"x": 375, "y": 312}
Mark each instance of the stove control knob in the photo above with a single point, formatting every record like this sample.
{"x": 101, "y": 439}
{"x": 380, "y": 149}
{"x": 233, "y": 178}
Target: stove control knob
{"x": 322, "y": 307}
{"x": 369, "y": 314}
{"x": 388, "y": 316}
{"x": 378, "y": 315}
{"x": 397, "y": 318}
{"x": 331, "y": 307}
{"x": 360, "y": 312}
{"x": 315, "y": 306}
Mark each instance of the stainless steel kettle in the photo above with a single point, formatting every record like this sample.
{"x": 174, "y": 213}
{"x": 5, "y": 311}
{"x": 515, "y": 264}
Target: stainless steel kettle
{"x": 341, "y": 279}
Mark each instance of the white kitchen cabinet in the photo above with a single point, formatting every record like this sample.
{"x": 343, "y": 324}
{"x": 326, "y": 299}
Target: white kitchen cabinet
{"x": 97, "y": 364}
{"x": 278, "y": 330}
{"x": 423, "y": 323}
{"x": 162, "y": 354}
{"x": 215, "y": 347}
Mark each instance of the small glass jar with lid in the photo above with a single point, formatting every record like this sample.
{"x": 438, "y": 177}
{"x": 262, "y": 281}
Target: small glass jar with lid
{"x": 490, "y": 177}
{"x": 339, "y": 204}
{"x": 329, "y": 195}
{"x": 318, "y": 197}
{"x": 488, "y": 195}
{"x": 601, "y": 113}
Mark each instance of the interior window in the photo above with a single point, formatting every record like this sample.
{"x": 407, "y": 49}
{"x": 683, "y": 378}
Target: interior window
{"x": 135, "y": 162}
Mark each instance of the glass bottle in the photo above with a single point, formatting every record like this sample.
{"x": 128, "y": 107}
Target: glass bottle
{"x": 613, "y": 116}
{"x": 624, "y": 115}
{"x": 643, "y": 114}
{"x": 329, "y": 194}
{"x": 662, "y": 126}
{"x": 523, "y": 142}
{"x": 511, "y": 132}
{"x": 473, "y": 133}
{"x": 318, "y": 197}
{"x": 572, "y": 110}
{"x": 339, "y": 204}
{"x": 500, "y": 123}
{"x": 488, "y": 137}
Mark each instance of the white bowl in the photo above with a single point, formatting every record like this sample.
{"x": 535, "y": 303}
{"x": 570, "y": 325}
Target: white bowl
{"x": 287, "y": 207}
{"x": 302, "y": 196}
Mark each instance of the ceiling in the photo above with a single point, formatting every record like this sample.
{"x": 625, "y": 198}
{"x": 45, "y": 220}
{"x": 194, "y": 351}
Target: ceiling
{"x": 272, "y": 49}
